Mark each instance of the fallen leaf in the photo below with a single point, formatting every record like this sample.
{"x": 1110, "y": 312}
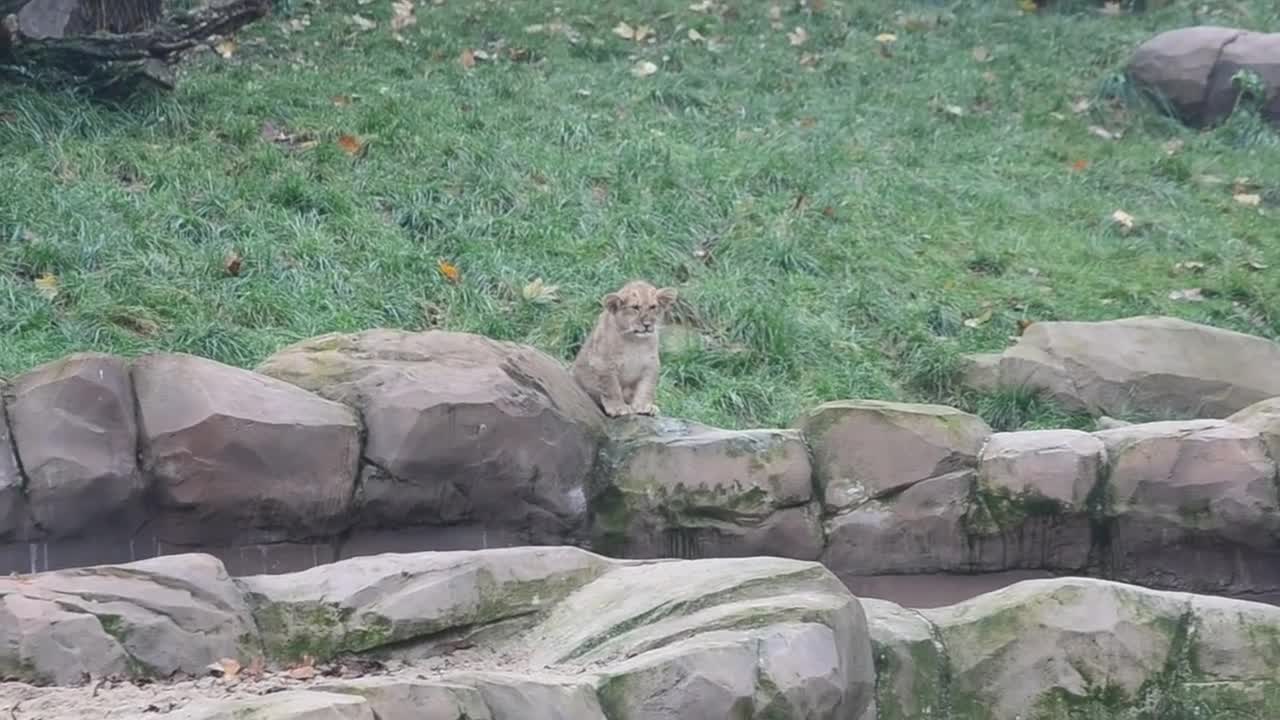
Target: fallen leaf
{"x": 539, "y": 293}
{"x": 341, "y": 100}
{"x": 449, "y": 271}
{"x": 1110, "y": 8}
{"x": 226, "y": 48}
{"x": 1081, "y": 105}
{"x": 775, "y": 16}
{"x": 1243, "y": 186}
{"x": 809, "y": 60}
{"x": 1194, "y": 266}
{"x": 231, "y": 263}
{"x": 808, "y": 121}
{"x": 829, "y": 212}
{"x": 230, "y": 668}
{"x": 642, "y": 33}
{"x": 362, "y": 23}
{"x": 1188, "y": 295}
{"x": 886, "y": 38}
{"x": 257, "y": 666}
{"x": 468, "y": 59}
{"x": 980, "y": 320}
{"x": 644, "y": 68}
{"x": 481, "y": 55}
{"x": 1123, "y": 219}
{"x": 1079, "y": 165}
{"x": 302, "y": 672}
{"x": 798, "y": 37}
{"x": 705, "y": 6}
{"x": 981, "y": 54}
{"x": 989, "y": 76}
{"x": 624, "y": 31}
{"x": 1173, "y": 147}
{"x": 953, "y": 110}
{"x": 695, "y": 36}
{"x": 1248, "y": 199}
{"x": 1103, "y": 133}
{"x": 350, "y": 144}
{"x": 402, "y": 15}
{"x": 47, "y": 285}
{"x": 1028, "y": 5}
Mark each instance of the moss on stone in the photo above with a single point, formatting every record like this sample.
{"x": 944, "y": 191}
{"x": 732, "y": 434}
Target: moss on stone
{"x": 113, "y": 625}
{"x": 994, "y": 510}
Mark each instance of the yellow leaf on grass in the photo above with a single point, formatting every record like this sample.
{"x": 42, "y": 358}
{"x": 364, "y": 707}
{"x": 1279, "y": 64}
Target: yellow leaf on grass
{"x": 467, "y": 59}
{"x": 798, "y": 37}
{"x": 644, "y": 68}
{"x": 47, "y": 285}
{"x": 886, "y": 38}
{"x": 1123, "y": 219}
{"x": 449, "y": 271}
{"x": 350, "y": 144}
{"x": 226, "y": 48}
{"x": 539, "y": 293}
{"x": 1248, "y": 199}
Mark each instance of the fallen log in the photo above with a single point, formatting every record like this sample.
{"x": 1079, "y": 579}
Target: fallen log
{"x": 105, "y": 44}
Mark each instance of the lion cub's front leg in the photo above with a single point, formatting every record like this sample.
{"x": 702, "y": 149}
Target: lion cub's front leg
{"x": 645, "y": 391}
{"x": 611, "y": 398}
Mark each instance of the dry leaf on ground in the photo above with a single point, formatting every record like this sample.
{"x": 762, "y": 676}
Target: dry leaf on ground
{"x": 1194, "y": 266}
{"x": 980, "y": 320}
{"x": 350, "y": 144}
{"x": 539, "y": 293}
{"x": 775, "y": 17}
{"x": 363, "y": 24}
{"x": 231, "y": 263}
{"x": 1104, "y": 133}
{"x": 1188, "y": 295}
{"x": 226, "y": 48}
{"x": 798, "y": 37}
{"x": 886, "y": 38}
{"x": 402, "y": 15}
{"x": 467, "y": 59}
{"x": 302, "y": 672}
{"x": 1079, "y": 165}
{"x": 449, "y": 271}
{"x": 1123, "y": 219}
{"x": 1081, "y": 105}
{"x": 981, "y": 54}
{"x": 1173, "y": 147}
{"x": 644, "y": 68}
{"x": 47, "y": 286}
{"x": 1248, "y": 199}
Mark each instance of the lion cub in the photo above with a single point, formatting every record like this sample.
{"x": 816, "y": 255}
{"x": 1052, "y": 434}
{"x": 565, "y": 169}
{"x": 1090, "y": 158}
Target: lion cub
{"x": 618, "y": 364}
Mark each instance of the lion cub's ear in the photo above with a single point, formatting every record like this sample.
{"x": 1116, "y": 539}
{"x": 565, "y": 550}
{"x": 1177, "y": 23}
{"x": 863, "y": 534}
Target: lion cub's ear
{"x": 666, "y": 297}
{"x": 612, "y": 302}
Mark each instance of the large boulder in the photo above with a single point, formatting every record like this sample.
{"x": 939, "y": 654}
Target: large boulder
{"x": 1192, "y": 69}
{"x": 1194, "y": 506}
{"x": 1059, "y": 467}
{"x": 920, "y": 530}
{"x": 231, "y": 453}
{"x": 912, "y": 677}
{"x": 1264, "y": 419}
{"x": 868, "y": 449}
{"x": 287, "y": 705}
{"x": 461, "y": 429}
{"x": 14, "y": 519}
{"x": 150, "y": 618}
{"x": 1142, "y": 365}
{"x": 672, "y": 488}
{"x": 73, "y": 423}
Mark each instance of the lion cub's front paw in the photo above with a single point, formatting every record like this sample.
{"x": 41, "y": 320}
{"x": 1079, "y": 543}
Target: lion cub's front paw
{"x": 649, "y": 409}
{"x": 616, "y": 409}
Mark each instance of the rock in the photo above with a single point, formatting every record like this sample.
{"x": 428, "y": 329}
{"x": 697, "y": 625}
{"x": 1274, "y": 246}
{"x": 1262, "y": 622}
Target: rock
{"x": 529, "y": 697}
{"x": 912, "y": 677}
{"x": 229, "y": 452}
{"x": 866, "y": 449}
{"x": 461, "y": 429}
{"x": 149, "y": 618}
{"x": 14, "y": 519}
{"x": 981, "y": 372}
{"x": 1197, "y": 475}
{"x": 1235, "y": 640}
{"x": 1251, "y": 52}
{"x": 1264, "y": 419}
{"x": 1150, "y": 365}
{"x": 673, "y": 488}
{"x": 1056, "y": 467}
{"x": 368, "y": 602}
{"x": 76, "y": 437}
{"x": 1194, "y": 506}
{"x": 1178, "y": 64}
{"x": 920, "y": 530}
{"x": 755, "y": 637}
{"x": 1013, "y": 652}
{"x": 392, "y": 698}
{"x": 1105, "y": 422}
{"x": 287, "y": 705}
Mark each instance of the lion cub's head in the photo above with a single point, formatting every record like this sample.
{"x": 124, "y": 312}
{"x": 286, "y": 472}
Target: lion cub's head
{"x": 638, "y": 306}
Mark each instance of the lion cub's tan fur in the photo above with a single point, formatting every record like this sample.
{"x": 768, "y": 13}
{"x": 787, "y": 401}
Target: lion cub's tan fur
{"x": 618, "y": 364}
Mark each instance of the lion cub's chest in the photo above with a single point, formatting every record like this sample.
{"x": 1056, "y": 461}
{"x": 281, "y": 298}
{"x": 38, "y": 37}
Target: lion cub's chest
{"x": 636, "y": 362}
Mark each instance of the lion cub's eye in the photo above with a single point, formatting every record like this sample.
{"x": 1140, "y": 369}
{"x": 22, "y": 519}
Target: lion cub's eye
{"x": 635, "y": 307}
{"x": 653, "y": 307}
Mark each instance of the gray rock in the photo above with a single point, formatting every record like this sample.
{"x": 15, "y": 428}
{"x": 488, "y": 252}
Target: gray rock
{"x": 396, "y": 698}
{"x": 1150, "y": 365}
{"x": 1263, "y": 418}
{"x": 1060, "y": 466}
{"x": 15, "y": 521}
{"x": 228, "y": 452}
{"x": 674, "y": 488}
{"x": 532, "y": 696}
{"x": 867, "y": 449}
{"x": 461, "y": 429}
{"x": 76, "y": 437}
{"x": 148, "y": 618}
{"x": 287, "y": 705}
{"x": 369, "y": 602}
{"x": 912, "y": 677}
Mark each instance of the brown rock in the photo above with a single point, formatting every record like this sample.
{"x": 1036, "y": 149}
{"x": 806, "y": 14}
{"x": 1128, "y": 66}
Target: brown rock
{"x": 1061, "y": 466}
{"x": 227, "y": 450}
{"x": 461, "y": 429}
{"x": 1194, "y": 506}
{"x": 866, "y": 449}
{"x": 14, "y": 520}
{"x": 1152, "y": 365}
{"x": 673, "y": 488}
{"x": 76, "y": 437}
{"x": 920, "y": 530}
{"x": 1177, "y": 65}
{"x": 1264, "y": 419}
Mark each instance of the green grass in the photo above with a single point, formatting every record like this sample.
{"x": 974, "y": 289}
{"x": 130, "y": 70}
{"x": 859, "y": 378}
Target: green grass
{"x": 830, "y": 229}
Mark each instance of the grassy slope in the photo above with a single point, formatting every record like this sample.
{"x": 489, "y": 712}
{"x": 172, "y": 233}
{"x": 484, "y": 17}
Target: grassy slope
{"x": 572, "y": 169}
